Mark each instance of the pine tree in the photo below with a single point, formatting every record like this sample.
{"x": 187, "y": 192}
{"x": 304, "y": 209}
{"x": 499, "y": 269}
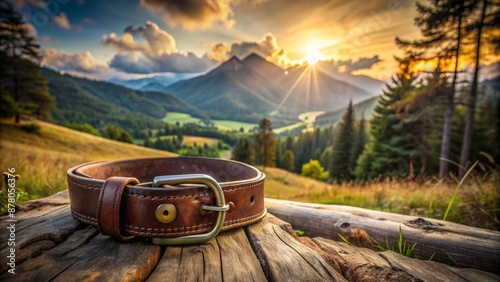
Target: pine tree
{"x": 279, "y": 154}
{"x": 326, "y": 158}
{"x": 496, "y": 135}
{"x": 341, "y": 155}
{"x": 442, "y": 26}
{"x": 484, "y": 24}
{"x": 264, "y": 143}
{"x": 243, "y": 152}
{"x": 359, "y": 144}
{"x": 289, "y": 161}
{"x": 391, "y": 143}
{"x": 20, "y": 71}
{"x": 421, "y": 111}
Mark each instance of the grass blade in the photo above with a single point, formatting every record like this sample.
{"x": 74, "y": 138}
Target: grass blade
{"x": 456, "y": 190}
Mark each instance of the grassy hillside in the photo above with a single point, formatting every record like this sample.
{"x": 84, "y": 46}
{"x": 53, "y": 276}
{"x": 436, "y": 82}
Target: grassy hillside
{"x": 476, "y": 203}
{"x": 43, "y": 158}
{"x": 86, "y": 101}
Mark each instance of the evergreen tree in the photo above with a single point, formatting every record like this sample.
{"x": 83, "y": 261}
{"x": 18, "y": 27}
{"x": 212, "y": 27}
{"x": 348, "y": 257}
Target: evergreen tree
{"x": 442, "y": 26}
{"x": 342, "y": 147}
{"x": 146, "y": 143}
{"x": 421, "y": 112}
{"x": 125, "y": 137}
{"x": 264, "y": 143}
{"x": 326, "y": 158}
{"x": 289, "y": 161}
{"x": 496, "y": 136}
{"x": 358, "y": 145}
{"x": 279, "y": 154}
{"x": 391, "y": 143}
{"x": 484, "y": 24}
{"x": 20, "y": 71}
{"x": 243, "y": 151}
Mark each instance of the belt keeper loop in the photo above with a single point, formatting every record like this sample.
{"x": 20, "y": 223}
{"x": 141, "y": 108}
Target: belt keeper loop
{"x": 108, "y": 206}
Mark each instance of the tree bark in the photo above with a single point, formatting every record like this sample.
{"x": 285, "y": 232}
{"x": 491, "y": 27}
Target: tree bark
{"x": 445, "y": 142}
{"x": 471, "y": 103}
{"x": 468, "y": 246}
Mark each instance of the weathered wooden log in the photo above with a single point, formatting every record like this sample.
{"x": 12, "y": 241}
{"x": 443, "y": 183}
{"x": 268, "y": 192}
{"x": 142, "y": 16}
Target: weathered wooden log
{"x": 52, "y": 245}
{"x": 442, "y": 240}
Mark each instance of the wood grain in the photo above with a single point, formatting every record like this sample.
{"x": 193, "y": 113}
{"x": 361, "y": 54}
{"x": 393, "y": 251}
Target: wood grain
{"x": 53, "y": 246}
{"x": 228, "y": 257}
{"x": 469, "y": 247}
{"x": 284, "y": 259}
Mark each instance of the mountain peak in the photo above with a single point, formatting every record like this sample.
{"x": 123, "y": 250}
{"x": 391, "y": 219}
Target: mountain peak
{"x": 261, "y": 65}
{"x": 233, "y": 64}
{"x": 253, "y": 57}
{"x": 233, "y": 58}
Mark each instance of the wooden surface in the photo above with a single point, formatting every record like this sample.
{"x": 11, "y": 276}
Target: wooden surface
{"x": 467, "y": 246}
{"x": 52, "y": 246}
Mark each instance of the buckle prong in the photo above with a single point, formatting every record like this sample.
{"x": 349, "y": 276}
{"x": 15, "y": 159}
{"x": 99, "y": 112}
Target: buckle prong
{"x": 220, "y": 207}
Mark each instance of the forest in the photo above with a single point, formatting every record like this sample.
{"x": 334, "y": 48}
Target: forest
{"x": 434, "y": 121}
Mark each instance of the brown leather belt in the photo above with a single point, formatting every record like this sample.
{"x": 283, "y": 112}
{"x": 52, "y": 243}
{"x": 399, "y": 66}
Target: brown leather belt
{"x": 175, "y": 201}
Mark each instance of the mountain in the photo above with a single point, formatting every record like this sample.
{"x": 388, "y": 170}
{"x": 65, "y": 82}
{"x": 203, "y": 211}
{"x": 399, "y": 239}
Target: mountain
{"x": 100, "y": 103}
{"x": 371, "y": 85}
{"x": 361, "y": 109}
{"x": 234, "y": 89}
{"x": 156, "y": 83}
{"x": 248, "y": 89}
{"x": 313, "y": 90}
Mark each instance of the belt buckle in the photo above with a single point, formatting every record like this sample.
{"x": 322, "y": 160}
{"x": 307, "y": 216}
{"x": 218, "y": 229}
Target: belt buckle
{"x": 220, "y": 207}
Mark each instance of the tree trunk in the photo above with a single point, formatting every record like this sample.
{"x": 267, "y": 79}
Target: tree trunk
{"x": 16, "y": 97}
{"x": 469, "y": 247}
{"x": 471, "y": 103}
{"x": 445, "y": 143}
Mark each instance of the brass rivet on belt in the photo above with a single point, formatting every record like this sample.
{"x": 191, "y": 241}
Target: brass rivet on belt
{"x": 165, "y": 213}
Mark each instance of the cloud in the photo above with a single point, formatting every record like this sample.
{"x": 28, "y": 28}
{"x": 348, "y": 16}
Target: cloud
{"x": 219, "y": 52}
{"x": 350, "y": 66}
{"x": 158, "y": 41}
{"x": 266, "y": 47}
{"x": 23, "y": 3}
{"x": 157, "y": 54}
{"x": 62, "y": 21}
{"x": 192, "y": 15}
{"x": 125, "y": 42}
{"x": 78, "y": 62}
{"x": 141, "y": 63}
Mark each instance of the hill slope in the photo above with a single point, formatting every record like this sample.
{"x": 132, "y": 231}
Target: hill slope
{"x": 43, "y": 158}
{"x": 100, "y": 103}
{"x": 361, "y": 109}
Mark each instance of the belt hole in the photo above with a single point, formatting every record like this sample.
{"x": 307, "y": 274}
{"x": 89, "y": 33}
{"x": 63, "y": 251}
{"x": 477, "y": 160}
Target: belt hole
{"x": 252, "y": 199}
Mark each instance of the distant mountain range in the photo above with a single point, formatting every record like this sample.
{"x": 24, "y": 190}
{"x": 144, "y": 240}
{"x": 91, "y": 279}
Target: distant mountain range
{"x": 248, "y": 89}
{"x": 239, "y": 90}
{"x": 156, "y": 83}
{"x": 101, "y": 103}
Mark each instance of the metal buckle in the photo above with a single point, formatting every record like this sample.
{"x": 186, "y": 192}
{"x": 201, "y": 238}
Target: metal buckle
{"x": 220, "y": 207}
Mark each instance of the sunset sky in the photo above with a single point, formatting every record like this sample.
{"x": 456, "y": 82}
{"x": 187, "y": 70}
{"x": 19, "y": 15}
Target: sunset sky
{"x": 134, "y": 38}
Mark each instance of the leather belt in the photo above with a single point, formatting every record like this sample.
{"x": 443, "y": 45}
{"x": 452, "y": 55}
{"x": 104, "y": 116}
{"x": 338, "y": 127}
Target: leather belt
{"x": 175, "y": 201}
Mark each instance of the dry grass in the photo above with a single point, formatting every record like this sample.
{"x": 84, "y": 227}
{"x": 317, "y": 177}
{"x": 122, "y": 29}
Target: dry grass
{"x": 200, "y": 141}
{"x": 42, "y": 159}
{"x": 477, "y": 202}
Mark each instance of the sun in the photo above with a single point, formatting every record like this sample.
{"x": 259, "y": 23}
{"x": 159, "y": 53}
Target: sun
{"x": 313, "y": 55}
